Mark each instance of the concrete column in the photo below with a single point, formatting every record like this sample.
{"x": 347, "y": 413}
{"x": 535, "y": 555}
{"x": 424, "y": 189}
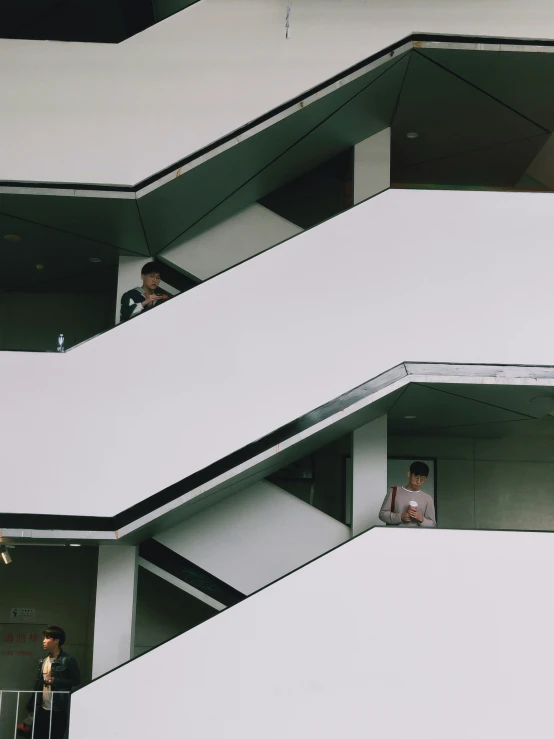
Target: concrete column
{"x": 372, "y": 166}
{"x": 369, "y": 473}
{"x": 114, "y": 623}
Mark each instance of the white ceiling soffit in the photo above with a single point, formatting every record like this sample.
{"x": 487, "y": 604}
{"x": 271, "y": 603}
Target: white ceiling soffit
{"x": 471, "y": 395}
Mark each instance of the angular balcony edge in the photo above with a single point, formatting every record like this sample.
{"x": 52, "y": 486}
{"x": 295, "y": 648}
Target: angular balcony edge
{"x": 258, "y": 459}
{"x": 157, "y": 179}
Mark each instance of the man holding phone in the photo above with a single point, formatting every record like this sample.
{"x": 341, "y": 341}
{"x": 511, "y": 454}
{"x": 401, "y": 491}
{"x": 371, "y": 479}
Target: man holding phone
{"x": 409, "y": 505}
{"x": 145, "y": 297}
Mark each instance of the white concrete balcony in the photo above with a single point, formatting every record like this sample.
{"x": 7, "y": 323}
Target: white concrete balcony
{"x": 452, "y": 620}
{"x": 452, "y": 277}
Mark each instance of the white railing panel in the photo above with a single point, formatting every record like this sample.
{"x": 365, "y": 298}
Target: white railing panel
{"x": 16, "y": 721}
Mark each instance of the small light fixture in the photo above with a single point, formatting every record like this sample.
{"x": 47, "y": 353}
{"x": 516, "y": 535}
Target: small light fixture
{"x": 12, "y": 237}
{"x": 95, "y": 260}
{"x": 74, "y": 545}
{"x": 5, "y": 554}
{"x": 410, "y": 417}
{"x": 40, "y": 267}
{"x": 412, "y": 135}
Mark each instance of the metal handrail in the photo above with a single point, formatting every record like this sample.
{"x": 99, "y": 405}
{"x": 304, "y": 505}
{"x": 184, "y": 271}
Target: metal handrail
{"x": 19, "y": 693}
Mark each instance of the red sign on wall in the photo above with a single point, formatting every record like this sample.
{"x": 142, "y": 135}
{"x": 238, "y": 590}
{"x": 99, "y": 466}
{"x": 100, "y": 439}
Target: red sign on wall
{"x": 13, "y": 641}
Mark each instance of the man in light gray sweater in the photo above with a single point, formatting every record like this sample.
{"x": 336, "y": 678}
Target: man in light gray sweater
{"x": 397, "y": 509}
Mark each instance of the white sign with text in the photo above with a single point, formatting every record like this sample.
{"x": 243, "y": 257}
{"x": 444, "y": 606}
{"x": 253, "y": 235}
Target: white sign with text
{"x": 22, "y": 615}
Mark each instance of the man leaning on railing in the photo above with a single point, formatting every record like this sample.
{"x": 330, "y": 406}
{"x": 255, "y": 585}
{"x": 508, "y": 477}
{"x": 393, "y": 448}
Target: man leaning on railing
{"x": 57, "y": 674}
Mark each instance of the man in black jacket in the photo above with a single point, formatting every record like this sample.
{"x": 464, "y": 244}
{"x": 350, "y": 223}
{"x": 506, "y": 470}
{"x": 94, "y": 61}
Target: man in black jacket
{"x": 57, "y": 674}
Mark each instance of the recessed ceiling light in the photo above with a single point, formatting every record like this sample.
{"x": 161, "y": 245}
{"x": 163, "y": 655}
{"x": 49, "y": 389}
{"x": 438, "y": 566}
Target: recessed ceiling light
{"x": 410, "y": 416}
{"x": 12, "y": 237}
{"x": 40, "y": 267}
{"x": 412, "y": 135}
{"x": 94, "y": 259}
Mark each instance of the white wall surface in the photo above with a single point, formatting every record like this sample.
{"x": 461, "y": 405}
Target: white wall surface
{"x": 116, "y": 114}
{"x": 438, "y": 640}
{"x": 372, "y": 166}
{"x": 266, "y": 342}
{"x": 256, "y": 536}
{"x": 245, "y": 234}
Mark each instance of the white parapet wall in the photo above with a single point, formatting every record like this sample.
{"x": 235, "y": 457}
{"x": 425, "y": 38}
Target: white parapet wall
{"x": 118, "y": 113}
{"x": 399, "y": 633}
{"x": 461, "y": 277}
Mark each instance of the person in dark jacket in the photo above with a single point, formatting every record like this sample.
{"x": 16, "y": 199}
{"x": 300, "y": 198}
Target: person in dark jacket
{"x": 146, "y": 296}
{"x": 57, "y": 675}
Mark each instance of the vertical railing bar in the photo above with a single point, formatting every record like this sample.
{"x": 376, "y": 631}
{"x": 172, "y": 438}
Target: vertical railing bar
{"x": 34, "y": 713}
{"x": 51, "y": 712}
{"x": 16, "y": 715}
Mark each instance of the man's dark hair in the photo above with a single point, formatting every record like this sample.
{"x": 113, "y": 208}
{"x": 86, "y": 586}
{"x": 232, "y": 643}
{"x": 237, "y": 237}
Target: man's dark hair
{"x": 419, "y": 468}
{"x": 54, "y": 632}
{"x": 150, "y": 268}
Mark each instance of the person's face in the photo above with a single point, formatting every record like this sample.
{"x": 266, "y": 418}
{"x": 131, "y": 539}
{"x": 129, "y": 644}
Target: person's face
{"x": 50, "y": 645}
{"x": 416, "y": 481}
{"x": 151, "y": 281}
